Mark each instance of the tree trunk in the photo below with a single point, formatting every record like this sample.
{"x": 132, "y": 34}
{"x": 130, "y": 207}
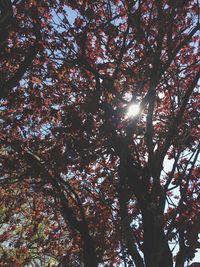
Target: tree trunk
{"x": 156, "y": 248}
{"x": 89, "y": 253}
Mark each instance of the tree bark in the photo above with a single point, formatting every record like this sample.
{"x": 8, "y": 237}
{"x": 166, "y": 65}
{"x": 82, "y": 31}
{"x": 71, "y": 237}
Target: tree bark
{"x": 156, "y": 249}
{"x": 89, "y": 253}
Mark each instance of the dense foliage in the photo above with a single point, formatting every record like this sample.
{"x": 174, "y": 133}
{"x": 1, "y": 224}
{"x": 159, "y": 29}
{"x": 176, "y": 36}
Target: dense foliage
{"x": 83, "y": 182}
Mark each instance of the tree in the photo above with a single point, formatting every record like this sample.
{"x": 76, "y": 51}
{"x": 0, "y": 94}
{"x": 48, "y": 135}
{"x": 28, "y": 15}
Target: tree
{"x": 82, "y": 182}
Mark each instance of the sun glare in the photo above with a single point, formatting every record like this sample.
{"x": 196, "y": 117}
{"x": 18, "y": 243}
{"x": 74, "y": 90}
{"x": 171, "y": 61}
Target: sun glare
{"x": 133, "y": 110}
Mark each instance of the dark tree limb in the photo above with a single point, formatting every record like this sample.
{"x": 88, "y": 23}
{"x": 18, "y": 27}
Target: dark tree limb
{"x": 177, "y": 120}
{"x": 7, "y": 85}
{"x": 6, "y": 16}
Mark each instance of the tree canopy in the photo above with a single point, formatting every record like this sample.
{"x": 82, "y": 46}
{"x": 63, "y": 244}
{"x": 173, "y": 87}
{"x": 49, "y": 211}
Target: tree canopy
{"x": 99, "y": 133}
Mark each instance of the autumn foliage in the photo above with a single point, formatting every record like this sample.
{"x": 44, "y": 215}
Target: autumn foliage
{"x": 83, "y": 183}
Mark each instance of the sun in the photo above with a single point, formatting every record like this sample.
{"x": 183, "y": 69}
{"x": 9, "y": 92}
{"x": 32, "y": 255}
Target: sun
{"x": 133, "y": 110}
